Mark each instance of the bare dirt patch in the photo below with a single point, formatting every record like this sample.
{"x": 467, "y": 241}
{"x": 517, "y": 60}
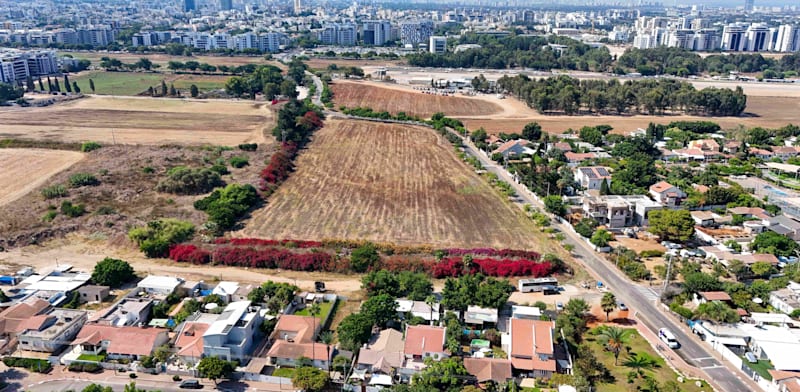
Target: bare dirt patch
{"x": 392, "y": 183}
{"x": 770, "y": 112}
{"x": 394, "y": 100}
{"x": 317, "y": 63}
{"x": 125, "y": 197}
{"x": 141, "y": 121}
{"x": 26, "y": 169}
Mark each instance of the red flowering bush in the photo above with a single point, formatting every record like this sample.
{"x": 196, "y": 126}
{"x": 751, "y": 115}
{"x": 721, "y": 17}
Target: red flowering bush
{"x": 270, "y": 258}
{"x": 505, "y": 253}
{"x": 186, "y": 253}
{"x": 262, "y": 242}
{"x": 454, "y": 267}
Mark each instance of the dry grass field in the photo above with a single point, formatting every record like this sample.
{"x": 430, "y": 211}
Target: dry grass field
{"x": 762, "y": 111}
{"x": 26, "y": 169}
{"x": 318, "y": 63}
{"x": 163, "y": 59}
{"x": 384, "y": 182}
{"x": 137, "y": 83}
{"x": 397, "y": 99}
{"x": 142, "y": 121}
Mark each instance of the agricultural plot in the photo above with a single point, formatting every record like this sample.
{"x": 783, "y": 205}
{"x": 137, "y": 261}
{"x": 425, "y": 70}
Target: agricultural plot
{"x": 396, "y": 99}
{"x": 392, "y": 183}
{"x": 27, "y": 169}
{"x": 135, "y": 83}
{"x": 162, "y": 59}
{"x": 142, "y": 121}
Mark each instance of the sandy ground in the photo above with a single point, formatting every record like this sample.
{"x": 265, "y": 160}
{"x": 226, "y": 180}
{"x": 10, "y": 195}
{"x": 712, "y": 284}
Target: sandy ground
{"x": 26, "y": 169}
{"x": 135, "y": 120}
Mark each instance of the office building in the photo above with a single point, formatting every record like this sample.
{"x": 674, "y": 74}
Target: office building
{"x": 415, "y": 32}
{"x": 437, "y": 44}
{"x": 297, "y": 7}
{"x": 748, "y": 5}
{"x": 758, "y": 38}
{"x": 189, "y": 5}
{"x": 376, "y": 32}
{"x": 226, "y": 5}
{"x": 733, "y": 38}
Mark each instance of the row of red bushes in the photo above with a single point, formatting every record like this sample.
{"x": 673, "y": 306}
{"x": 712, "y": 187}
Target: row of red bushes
{"x": 279, "y": 167}
{"x": 506, "y": 253}
{"x": 454, "y": 267}
{"x": 261, "y": 257}
{"x": 260, "y": 242}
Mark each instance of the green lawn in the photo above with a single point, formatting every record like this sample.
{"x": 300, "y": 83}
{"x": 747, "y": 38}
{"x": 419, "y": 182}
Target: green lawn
{"x": 118, "y": 83}
{"x": 325, "y": 308}
{"x": 92, "y": 357}
{"x": 636, "y": 344}
{"x": 761, "y": 367}
{"x": 284, "y": 372}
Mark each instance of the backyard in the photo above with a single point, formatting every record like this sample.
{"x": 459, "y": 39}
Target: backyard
{"x": 93, "y": 357}
{"x": 762, "y": 367}
{"x": 324, "y": 309}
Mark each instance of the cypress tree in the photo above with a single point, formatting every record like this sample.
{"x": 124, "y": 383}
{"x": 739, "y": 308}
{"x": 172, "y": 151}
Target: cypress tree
{"x": 75, "y": 87}
{"x": 41, "y": 86}
{"x": 29, "y": 83}
{"x": 604, "y": 187}
{"x": 67, "y": 86}
{"x": 49, "y": 85}
{"x": 91, "y": 85}
{"x": 56, "y": 86}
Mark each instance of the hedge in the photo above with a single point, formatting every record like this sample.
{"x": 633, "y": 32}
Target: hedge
{"x": 87, "y": 367}
{"x": 34, "y": 365}
{"x": 453, "y": 267}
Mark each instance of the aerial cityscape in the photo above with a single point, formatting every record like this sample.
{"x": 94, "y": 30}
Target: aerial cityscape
{"x": 399, "y": 196}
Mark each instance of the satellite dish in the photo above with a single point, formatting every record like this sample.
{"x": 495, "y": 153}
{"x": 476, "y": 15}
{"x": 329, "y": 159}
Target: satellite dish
{"x": 758, "y": 300}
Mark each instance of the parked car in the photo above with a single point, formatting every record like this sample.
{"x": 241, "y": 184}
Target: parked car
{"x": 559, "y": 306}
{"x": 319, "y": 287}
{"x": 750, "y": 357}
{"x": 191, "y": 384}
{"x": 622, "y": 306}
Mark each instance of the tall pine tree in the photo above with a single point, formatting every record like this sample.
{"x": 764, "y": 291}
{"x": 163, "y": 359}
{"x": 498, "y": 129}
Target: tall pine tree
{"x": 163, "y": 88}
{"x": 67, "y": 86}
{"x": 49, "y": 85}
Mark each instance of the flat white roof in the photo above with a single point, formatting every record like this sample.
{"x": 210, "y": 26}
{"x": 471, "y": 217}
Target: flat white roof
{"x": 232, "y": 313}
{"x": 225, "y": 288}
{"x": 779, "y": 344}
{"x": 531, "y": 311}
{"x": 56, "y": 282}
{"x": 159, "y": 282}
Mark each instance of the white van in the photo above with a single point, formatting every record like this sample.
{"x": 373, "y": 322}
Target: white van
{"x": 667, "y": 337}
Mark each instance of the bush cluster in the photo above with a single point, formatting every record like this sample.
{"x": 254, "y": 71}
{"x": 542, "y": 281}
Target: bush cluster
{"x": 248, "y": 146}
{"x": 90, "y": 146}
{"x": 279, "y": 166}
{"x": 34, "y": 365}
{"x": 83, "y": 179}
{"x": 187, "y": 253}
{"x": 224, "y": 206}
{"x": 182, "y": 180}
{"x": 453, "y": 267}
{"x": 271, "y": 258}
{"x": 156, "y": 238}
{"x": 239, "y": 162}
{"x": 53, "y": 191}
{"x": 506, "y": 253}
{"x": 262, "y": 242}
{"x": 72, "y": 210}
{"x": 87, "y": 367}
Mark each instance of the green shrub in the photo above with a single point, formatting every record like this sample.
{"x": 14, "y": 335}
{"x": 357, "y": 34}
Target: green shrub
{"x": 105, "y": 210}
{"x": 53, "y": 191}
{"x": 652, "y": 253}
{"x": 682, "y": 311}
{"x": 82, "y": 179}
{"x": 90, "y": 146}
{"x": 148, "y": 170}
{"x": 176, "y": 378}
{"x": 34, "y": 365}
{"x": 49, "y": 216}
{"x": 182, "y": 180}
{"x": 72, "y": 211}
{"x": 155, "y": 238}
{"x": 220, "y": 169}
{"x": 239, "y": 162}
{"x": 248, "y": 147}
{"x": 224, "y": 206}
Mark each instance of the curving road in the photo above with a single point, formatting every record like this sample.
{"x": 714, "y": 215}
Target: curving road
{"x": 639, "y": 298}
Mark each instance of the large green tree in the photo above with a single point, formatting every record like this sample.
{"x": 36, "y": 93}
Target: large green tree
{"x": 354, "y": 330}
{"x": 774, "y": 243}
{"x": 112, "y": 272}
{"x": 364, "y": 257}
{"x": 381, "y": 309}
{"x": 215, "y": 368}
{"x": 309, "y": 379}
{"x": 448, "y": 375}
{"x": 671, "y": 225}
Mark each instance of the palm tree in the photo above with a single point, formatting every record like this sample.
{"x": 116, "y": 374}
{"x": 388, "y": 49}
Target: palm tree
{"x": 614, "y": 339}
{"x": 430, "y": 301}
{"x": 718, "y": 312}
{"x": 327, "y": 338}
{"x": 608, "y": 303}
{"x": 640, "y": 362}
{"x": 314, "y": 311}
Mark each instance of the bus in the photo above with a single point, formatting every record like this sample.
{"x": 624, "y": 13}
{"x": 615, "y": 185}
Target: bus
{"x": 538, "y": 284}
{"x": 667, "y": 337}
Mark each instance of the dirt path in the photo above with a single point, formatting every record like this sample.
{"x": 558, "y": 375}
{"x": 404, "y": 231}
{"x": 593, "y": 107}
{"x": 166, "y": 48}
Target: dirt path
{"x": 26, "y": 169}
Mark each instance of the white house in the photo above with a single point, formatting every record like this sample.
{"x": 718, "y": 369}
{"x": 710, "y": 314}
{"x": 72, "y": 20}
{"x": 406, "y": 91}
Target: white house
{"x": 417, "y": 309}
{"x": 163, "y": 285}
{"x": 52, "y": 331}
{"x": 514, "y": 148}
{"x": 787, "y": 299}
{"x": 226, "y": 290}
{"x": 667, "y": 194}
{"x": 231, "y": 336}
{"x": 592, "y": 177}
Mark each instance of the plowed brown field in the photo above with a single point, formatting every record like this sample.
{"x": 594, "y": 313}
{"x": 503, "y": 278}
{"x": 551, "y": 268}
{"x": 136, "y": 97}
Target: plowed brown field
{"x": 395, "y": 99}
{"x": 26, "y": 169}
{"x": 386, "y": 182}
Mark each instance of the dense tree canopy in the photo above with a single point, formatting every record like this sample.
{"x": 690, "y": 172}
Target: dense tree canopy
{"x": 412, "y": 285}
{"x": 671, "y": 225}
{"x": 774, "y": 243}
{"x": 112, "y": 272}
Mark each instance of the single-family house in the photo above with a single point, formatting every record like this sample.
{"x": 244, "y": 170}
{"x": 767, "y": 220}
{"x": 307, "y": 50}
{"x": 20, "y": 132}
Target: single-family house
{"x": 592, "y": 177}
{"x": 497, "y": 370}
{"x": 531, "y": 350}
{"x": 690, "y": 154}
{"x": 704, "y": 145}
{"x": 51, "y": 331}
{"x": 616, "y": 211}
{"x": 128, "y": 311}
{"x": 226, "y": 290}
{"x": 731, "y": 146}
{"x": 231, "y": 336}
{"x": 13, "y": 319}
{"x": 784, "y": 381}
{"x": 120, "y": 342}
{"x": 526, "y": 312}
{"x": 761, "y": 153}
{"x": 777, "y": 344}
{"x": 787, "y": 299}
{"x": 562, "y": 146}
{"x": 418, "y": 309}
{"x": 667, "y": 194}
{"x": 383, "y": 353}
{"x": 725, "y": 256}
{"x": 93, "y": 293}
{"x": 514, "y": 148}
{"x": 295, "y": 337}
{"x": 574, "y": 159}
{"x": 189, "y": 341}
{"x": 161, "y": 285}
{"x": 785, "y": 152}
{"x": 703, "y": 218}
{"x": 710, "y": 296}
{"x": 424, "y": 341}
{"x": 750, "y": 212}
{"x": 482, "y": 318}
{"x": 785, "y": 225}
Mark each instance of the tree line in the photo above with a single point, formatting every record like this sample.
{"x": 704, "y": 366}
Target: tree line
{"x": 682, "y": 62}
{"x": 653, "y": 96}
{"x": 536, "y": 52}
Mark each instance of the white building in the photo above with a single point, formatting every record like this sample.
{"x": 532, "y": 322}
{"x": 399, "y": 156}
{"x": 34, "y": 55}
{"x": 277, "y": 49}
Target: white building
{"x": 376, "y": 32}
{"x": 592, "y": 177}
{"x": 231, "y": 336}
{"x": 417, "y": 309}
{"x": 758, "y": 38}
{"x": 788, "y": 39}
{"x": 52, "y": 331}
{"x": 164, "y": 285}
{"x": 786, "y": 300}
{"x": 437, "y": 44}
{"x": 733, "y": 38}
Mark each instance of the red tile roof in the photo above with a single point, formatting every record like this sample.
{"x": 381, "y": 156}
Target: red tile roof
{"x": 511, "y": 143}
{"x": 421, "y": 339}
{"x": 576, "y": 157}
{"x": 314, "y": 351}
{"x": 489, "y": 369}
{"x": 715, "y": 295}
{"x": 660, "y": 187}
{"x": 190, "y": 339}
{"x": 14, "y": 317}
{"x": 122, "y": 340}
{"x": 531, "y": 339}
{"x": 300, "y": 326}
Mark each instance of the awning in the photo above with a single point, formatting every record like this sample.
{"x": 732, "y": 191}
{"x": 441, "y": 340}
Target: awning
{"x": 728, "y": 341}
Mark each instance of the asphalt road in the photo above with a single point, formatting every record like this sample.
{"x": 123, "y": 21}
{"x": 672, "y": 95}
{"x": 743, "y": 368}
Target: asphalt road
{"x": 78, "y": 385}
{"x": 639, "y": 298}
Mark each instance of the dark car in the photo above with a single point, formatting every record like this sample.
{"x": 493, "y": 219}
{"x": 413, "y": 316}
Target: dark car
{"x": 191, "y": 384}
{"x": 319, "y": 287}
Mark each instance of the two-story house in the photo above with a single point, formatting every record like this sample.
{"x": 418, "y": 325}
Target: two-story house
{"x": 295, "y": 337}
{"x": 531, "y": 348}
{"x": 592, "y": 177}
{"x": 422, "y": 341}
{"x": 514, "y": 149}
{"x": 52, "y": 331}
{"x": 231, "y": 336}
{"x": 667, "y": 194}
